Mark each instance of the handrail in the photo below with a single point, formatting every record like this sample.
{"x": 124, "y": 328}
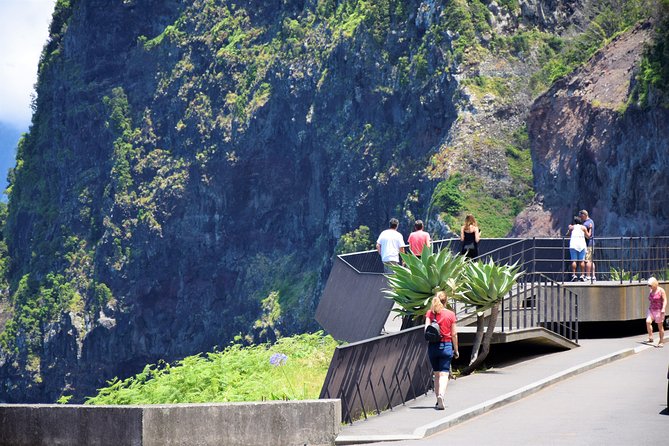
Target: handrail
{"x": 622, "y": 259}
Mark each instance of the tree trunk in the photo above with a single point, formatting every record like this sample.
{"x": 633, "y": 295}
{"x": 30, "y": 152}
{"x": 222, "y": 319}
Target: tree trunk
{"x": 494, "y": 312}
{"x": 480, "y": 317}
{"x": 410, "y": 321}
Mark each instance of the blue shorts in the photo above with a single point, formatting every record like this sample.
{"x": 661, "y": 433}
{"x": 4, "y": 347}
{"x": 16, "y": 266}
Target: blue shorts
{"x": 577, "y": 255}
{"x": 440, "y": 354}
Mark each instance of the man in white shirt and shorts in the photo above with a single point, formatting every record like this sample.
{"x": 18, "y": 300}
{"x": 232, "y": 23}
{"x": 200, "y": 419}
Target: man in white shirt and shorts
{"x": 389, "y": 245}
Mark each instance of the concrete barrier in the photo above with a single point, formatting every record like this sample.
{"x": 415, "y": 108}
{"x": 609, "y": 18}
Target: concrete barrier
{"x": 311, "y": 422}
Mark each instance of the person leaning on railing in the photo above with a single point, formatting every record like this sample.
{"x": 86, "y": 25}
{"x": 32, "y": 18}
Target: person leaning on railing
{"x": 578, "y": 235}
{"x": 389, "y": 245}
{"x": 590, "y": 249}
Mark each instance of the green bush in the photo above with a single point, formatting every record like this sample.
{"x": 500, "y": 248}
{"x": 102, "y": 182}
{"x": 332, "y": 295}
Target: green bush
{"x": 292, "y": 368}
{"x": 653, "y": 71}
{"x": 447, "y": 196}
{"x": 487, "y": 84}
{"x": 355, "y": 241}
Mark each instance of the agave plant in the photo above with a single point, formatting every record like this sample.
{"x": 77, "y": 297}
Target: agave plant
{"x": 484, "y": 286}
{"x": 620, "y": 274}
{"x": 413, "y": 285}
{"x": 487, "y": 283}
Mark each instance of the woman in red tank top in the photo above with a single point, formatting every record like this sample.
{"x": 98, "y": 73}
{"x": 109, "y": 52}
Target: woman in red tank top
{"x": 441, "y": 353}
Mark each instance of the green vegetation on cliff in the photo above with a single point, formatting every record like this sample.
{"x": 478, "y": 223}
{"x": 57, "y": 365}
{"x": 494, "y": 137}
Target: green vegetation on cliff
{"x": 191, "y": 166}
{"x": 612, "y": 18}
{"x": 653, "y": 77}
{"x": 355, "y": 241}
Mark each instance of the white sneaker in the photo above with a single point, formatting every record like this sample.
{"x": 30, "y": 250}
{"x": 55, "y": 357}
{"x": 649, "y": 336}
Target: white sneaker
{"x": 440, "y": 403}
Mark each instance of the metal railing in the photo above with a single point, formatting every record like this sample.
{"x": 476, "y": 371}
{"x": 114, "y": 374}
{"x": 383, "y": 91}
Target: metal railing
{"x": 622, "y": 259}
{"x": 537, "y": 300}
{"x": 378, "y": 374}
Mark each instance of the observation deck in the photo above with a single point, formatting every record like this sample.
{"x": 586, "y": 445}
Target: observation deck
{"x": 353, "y": 308}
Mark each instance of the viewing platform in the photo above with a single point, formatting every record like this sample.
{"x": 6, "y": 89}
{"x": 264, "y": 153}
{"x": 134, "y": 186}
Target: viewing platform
{"x": 384, "y": 365}
{"x": 353, "y": 308}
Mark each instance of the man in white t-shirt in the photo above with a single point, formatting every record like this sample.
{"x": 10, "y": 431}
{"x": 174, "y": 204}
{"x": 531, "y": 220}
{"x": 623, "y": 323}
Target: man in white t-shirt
{"x": 389, "y": 245}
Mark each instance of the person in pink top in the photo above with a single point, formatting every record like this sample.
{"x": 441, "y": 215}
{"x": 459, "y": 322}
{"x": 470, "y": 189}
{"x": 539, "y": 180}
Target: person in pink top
{"x": 418, "y": 239}
{"x": 657, "y": 299}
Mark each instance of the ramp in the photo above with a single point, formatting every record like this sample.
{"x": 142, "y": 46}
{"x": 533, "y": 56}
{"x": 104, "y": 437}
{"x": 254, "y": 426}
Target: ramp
{"x": 533, "y": 335}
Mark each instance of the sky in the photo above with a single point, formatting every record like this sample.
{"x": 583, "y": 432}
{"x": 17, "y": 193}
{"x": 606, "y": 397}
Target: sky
{"x": 24, "y": 28}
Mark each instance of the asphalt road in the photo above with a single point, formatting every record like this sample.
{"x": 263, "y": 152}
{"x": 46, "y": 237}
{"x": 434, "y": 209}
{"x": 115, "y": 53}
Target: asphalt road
{"x": 623, "y": 403}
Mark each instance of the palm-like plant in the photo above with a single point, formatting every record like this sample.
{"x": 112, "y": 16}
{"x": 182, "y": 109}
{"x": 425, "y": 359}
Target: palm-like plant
{"x": 475, "y": 283}
{"x": 412, "y": 286}
{"x": 487, "y": 283}
{"x": 620, "y": 274}
{"x": 484, "y": 286}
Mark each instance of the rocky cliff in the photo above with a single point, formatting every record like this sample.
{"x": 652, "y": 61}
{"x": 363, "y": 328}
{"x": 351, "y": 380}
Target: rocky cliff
{"x": 191, "y": 165}
{"x": 593, "y": 147}
{"x": 186, "y": 159}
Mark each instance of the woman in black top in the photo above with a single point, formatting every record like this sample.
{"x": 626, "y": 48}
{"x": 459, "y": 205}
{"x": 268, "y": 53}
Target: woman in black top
{"x": 470, "y": 235}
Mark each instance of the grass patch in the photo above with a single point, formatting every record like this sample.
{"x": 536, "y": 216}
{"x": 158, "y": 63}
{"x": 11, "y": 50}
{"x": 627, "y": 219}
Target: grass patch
{"x": 292, "y": 368}
{"x": 481, "y": 85}
{"x": 494, "y": 214}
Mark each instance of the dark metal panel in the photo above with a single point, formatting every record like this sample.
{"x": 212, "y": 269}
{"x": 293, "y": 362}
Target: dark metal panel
{"x": 352, "y": 307}
{"x": 379, "y": 373}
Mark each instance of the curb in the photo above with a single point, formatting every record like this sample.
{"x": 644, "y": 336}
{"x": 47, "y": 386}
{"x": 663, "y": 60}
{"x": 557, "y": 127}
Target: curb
{"x": 491, "y": 404}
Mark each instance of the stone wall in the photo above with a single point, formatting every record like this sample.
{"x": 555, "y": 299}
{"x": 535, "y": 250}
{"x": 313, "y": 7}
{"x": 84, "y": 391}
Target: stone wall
{"x": 312, "y": 422}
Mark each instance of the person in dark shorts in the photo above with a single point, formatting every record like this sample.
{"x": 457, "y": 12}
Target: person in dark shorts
{"x": 590, "y": 249}
{"x": 441, "y": 353}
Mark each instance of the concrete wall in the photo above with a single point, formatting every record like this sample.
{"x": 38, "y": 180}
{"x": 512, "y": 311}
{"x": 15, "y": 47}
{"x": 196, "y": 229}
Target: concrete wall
{"x": 313, "y": 422}
{"x": 611, "y": 301}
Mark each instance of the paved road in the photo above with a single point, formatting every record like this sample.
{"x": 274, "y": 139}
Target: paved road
{"x": 621, "y": 403}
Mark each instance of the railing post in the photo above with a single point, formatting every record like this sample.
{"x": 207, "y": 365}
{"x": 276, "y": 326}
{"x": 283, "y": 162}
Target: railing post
{"x": 502, "y": 311}
{"x": 534, "y": 254}
{"x": 563, "y": 258}
{"x": 621, "y": 261}
{"x": 576, "y": 316}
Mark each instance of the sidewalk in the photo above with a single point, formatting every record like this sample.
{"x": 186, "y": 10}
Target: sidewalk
{"x": 473, "y": 395}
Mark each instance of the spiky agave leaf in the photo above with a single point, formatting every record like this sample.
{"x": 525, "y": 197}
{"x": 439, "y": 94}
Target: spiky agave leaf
{"x": 487, "y": 283}
{"x": 413, "y": 284}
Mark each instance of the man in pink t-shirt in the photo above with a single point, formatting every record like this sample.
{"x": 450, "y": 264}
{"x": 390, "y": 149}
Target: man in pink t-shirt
{"x": 418, "y": 239}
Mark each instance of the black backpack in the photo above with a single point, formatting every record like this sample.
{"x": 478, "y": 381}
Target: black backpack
{"x": 433, "y": 332}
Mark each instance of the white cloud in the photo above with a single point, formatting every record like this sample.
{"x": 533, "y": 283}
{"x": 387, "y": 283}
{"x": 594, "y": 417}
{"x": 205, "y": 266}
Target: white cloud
{"x": 24, "y": 28}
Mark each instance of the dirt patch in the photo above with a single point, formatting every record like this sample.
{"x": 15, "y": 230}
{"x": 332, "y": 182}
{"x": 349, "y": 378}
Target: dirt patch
{"x": 605, "y": 80}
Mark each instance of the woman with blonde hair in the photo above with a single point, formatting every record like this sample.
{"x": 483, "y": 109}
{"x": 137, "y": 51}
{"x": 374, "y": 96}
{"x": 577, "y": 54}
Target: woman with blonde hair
{"x": 657, "y": 299}
{"x": 470, "y": 236}
{"x": 441, "y": 353}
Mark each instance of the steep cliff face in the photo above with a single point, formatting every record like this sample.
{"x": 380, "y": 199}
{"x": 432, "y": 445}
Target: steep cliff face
{"x": 593, "y": 148}
{"x": 187, "y": 158}
{"x": 190, "y": 161}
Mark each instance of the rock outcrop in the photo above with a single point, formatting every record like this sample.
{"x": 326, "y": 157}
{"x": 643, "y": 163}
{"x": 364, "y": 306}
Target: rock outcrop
{"x": 591, "y": 150}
